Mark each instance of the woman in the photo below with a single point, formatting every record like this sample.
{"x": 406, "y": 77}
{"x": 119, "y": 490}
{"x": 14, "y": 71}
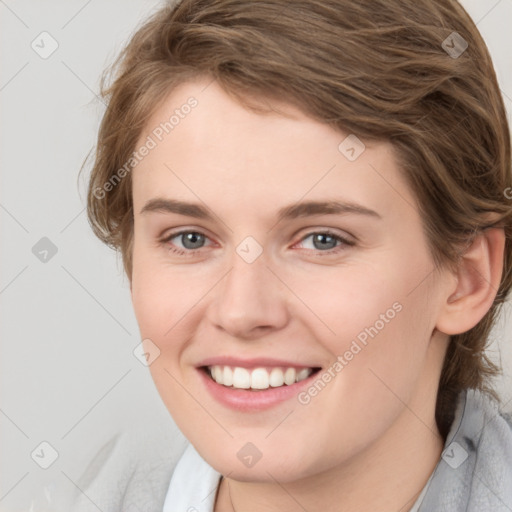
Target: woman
{"x": 311, "y": 203}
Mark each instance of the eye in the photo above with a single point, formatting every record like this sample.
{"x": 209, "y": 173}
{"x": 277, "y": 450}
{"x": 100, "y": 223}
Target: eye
{"x": 324, "y": 241}
{"x": 191, "y": 239}
{"x": 186, "y": 241}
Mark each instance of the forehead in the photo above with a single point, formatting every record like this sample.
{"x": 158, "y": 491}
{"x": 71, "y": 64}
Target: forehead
{"x": 207, "y": 144}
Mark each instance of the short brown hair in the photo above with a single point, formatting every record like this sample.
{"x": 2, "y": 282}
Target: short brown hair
{"x": 375, "y": 68}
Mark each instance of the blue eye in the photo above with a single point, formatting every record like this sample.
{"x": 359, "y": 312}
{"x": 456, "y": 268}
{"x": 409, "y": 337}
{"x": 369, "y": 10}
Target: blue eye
{"x": 185, "y": 242}
{"x": 191, "y": 239}
{"x": 324, "y": 242}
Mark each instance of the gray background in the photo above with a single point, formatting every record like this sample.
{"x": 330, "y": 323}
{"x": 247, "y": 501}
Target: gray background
{"x": 68, "y": 373}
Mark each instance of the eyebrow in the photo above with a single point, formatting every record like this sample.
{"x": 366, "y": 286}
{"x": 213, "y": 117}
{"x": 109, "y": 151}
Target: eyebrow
{"x": 302, "y": 209}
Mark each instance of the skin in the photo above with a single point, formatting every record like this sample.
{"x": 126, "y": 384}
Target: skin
{"x": 368, "y": 440}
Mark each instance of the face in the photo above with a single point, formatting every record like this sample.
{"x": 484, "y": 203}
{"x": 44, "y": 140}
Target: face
{"x": 287, "y": 284}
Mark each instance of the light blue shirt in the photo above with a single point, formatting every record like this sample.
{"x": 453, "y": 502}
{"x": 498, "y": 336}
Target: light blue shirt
{"x": 193, "y": 485}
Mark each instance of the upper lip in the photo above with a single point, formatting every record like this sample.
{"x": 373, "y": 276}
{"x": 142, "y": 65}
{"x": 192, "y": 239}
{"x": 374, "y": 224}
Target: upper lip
{"x": 256, "y": 362}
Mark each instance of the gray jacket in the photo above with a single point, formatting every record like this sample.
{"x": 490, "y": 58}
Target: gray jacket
{"x": 132, "y": 472}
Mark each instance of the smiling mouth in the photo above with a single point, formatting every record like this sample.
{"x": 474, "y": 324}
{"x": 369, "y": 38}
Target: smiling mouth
{"x": 257, "y": 379}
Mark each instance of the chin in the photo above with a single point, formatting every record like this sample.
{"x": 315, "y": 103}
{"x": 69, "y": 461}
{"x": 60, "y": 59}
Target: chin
{"x": 282, "y": 467}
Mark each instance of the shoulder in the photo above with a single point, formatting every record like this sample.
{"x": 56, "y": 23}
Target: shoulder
{"x": 475, "y": 469}
{"x": 131, "y": 471}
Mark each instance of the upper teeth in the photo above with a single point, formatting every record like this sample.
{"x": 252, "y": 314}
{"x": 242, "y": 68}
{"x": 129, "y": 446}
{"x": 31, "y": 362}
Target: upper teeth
{"x": 258, "y": 378}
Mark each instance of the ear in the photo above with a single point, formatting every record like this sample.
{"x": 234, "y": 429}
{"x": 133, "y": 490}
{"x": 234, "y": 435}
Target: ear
{"x": 477, "y": 280}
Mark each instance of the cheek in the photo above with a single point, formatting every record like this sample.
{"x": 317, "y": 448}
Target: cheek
{"x": 361, "y": 301}
{"x": 378, "y": 320}
{"x": 163, "y": 306}
{"x": 160, "y": 297}
{"x": 169, "y": 306}
{"x": 383, "y": 344}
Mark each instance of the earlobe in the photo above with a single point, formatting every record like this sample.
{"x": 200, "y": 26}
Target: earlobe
{"x": 477, "y": 281}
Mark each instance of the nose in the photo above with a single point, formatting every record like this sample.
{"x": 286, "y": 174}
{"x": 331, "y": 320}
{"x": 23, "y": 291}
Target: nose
{"x": 250, "y": 301}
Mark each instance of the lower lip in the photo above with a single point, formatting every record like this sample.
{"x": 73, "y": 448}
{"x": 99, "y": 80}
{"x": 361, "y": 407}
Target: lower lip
{"x": 246, "y": 401}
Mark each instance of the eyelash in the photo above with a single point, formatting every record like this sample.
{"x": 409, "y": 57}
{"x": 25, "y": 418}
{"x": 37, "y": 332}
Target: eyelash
{"x": 343, "y": 242}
